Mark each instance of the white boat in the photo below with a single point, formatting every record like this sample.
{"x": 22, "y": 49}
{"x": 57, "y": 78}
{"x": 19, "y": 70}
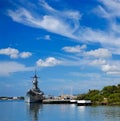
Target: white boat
{"x": 84, "y": 102}
{"x": 35, "y": 94}
{"x": 73, "y": 101}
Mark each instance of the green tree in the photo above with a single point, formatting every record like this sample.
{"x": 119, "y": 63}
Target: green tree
{"x": 114, "y": 98}
{"x": 108, "y": 95}
{"x": 81, "y": 97}
{"x": 106, "y": 91}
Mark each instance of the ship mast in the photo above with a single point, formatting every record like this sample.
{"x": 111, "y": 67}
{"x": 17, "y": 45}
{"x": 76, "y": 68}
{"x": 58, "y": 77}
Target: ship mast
{"x": 35, "y": 82}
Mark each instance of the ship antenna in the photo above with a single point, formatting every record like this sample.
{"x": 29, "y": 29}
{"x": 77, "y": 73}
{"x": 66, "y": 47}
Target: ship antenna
{"x": 36, "y": 74}
{"x": 35, "y": 71}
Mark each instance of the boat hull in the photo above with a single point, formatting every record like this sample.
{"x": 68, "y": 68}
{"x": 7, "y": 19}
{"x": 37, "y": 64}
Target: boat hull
{"x": 84, "y": 102}
{"x": 33, "y": 99}
{"x": 73, "y": 101}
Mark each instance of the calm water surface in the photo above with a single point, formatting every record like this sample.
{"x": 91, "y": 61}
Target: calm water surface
{"x": 20, "y": 111}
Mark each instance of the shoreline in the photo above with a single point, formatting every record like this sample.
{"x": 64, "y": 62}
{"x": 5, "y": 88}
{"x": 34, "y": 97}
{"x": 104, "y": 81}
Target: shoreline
{"x": 55, "y": 102}
{"x": 11, "y": 98}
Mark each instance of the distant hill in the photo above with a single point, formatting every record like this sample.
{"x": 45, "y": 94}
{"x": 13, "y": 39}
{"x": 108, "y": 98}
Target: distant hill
{"x": 109, "y": 95}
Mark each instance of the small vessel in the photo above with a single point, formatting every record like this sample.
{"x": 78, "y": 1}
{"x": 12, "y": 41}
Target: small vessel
{"x": 35, "y": 94}
{"x": 84, "y": 102}
{"x": 73, "y": 101}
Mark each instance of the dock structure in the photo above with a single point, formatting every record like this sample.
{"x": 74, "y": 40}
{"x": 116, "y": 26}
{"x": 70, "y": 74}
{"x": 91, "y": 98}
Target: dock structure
{"x": 53, "y": 101}
{"x": 78, "y": 102}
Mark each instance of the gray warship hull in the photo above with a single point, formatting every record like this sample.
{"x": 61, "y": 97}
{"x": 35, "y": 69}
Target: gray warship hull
{"x": 33, "y": 97}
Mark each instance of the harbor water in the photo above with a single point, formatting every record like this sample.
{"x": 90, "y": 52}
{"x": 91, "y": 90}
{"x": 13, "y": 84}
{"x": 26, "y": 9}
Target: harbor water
{"x": 20, "y": 111}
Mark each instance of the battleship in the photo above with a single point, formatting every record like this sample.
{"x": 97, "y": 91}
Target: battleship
{"x": 34, "y": 95}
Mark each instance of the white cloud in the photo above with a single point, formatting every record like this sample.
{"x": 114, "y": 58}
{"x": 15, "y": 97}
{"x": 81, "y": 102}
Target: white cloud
{"x": 101, "y": 11}
{"x": 111, "y": 7}
{"x": 48, "y": 62}
{"x": 99, "y": 53}
{"x": 116, "y": 73}
{"x": 25, "y": 54}
{"x": 46, "y": 22}
{"x": 46, "y": 6}
{"x": 67, "y": 23}
{"x": 111, "y": 69}
{"x": 14, "y": 53}
{"x": 75, "y": 15}
{"x": 8, "y": 67}
{"x": 74, "y": 49}
{"x": 98, "y": 62}
{"x": 46, "y": 37}
{"x": 54, "y": 21}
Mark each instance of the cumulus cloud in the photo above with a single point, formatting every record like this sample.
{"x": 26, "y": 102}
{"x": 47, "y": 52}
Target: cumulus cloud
{"x": 48, "y": 62}
{"x": 74, "y": 49}
{"x": 99, "y": 53}
{"x": 14, "y": 53}
{"x": 111, "y": 69}
{"x": 25, "y": 54}
{"x": 8, "y": 67}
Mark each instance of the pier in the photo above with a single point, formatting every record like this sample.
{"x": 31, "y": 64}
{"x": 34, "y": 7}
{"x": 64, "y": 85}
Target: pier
{"x": 78, "y": 102}
{"x": 53, "y": 101}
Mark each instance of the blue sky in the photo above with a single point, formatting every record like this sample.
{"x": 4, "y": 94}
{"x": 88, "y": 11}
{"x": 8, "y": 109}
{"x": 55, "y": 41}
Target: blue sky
{"x": 73, "y": 44}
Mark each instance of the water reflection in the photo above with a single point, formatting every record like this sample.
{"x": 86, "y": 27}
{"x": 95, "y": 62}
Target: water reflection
{"x": 111, "y": 113}
{"x": 81, "y": 109}
{"x": 34, "y": 109}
